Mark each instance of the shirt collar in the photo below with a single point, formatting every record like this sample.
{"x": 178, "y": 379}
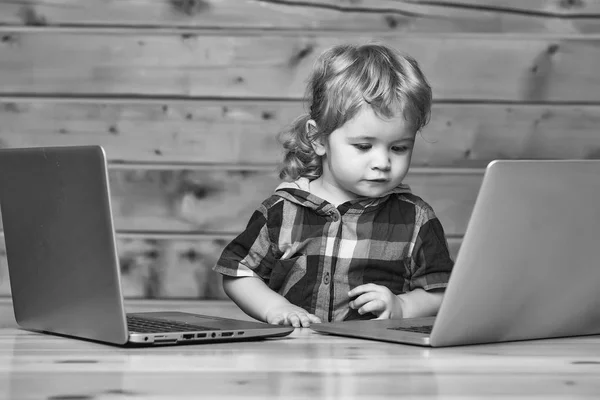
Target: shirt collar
{"x": 298, "y": 192}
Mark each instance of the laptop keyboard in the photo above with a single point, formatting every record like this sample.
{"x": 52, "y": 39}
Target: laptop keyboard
{"x": 419, "y": 329}
{"x": 151, "y": 325}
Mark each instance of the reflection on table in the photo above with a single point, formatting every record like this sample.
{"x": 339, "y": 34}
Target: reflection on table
{"x": 304, "y": 365}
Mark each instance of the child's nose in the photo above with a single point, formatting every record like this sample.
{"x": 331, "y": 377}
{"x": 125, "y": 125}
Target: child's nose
{"x": 381, "y": 161}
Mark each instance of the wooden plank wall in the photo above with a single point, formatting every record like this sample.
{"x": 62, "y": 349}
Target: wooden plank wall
{"x": 187, "y": 96}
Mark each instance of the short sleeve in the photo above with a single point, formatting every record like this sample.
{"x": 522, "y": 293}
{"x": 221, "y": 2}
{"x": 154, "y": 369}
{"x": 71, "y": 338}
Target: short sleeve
{"x": 431, "y": 263}
{"x": 249, "y": 254}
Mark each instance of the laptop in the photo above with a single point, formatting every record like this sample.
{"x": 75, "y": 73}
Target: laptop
{"x": 528, "y": 267}
{"x": 62, "y": 256}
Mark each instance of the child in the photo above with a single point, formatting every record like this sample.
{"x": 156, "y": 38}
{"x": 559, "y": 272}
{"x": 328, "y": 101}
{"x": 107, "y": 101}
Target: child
{"x": 344, "y": 238}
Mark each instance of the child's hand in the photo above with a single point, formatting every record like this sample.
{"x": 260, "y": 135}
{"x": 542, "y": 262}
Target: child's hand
{"x": 376, "y": 299}
{"x": 290, "y": 314}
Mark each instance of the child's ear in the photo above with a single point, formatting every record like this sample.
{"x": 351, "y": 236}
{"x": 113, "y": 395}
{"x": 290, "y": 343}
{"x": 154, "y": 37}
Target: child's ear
{"x": 317, "y": 143}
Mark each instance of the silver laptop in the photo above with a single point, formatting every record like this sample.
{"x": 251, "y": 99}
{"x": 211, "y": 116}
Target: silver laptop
{"x": 62, "y": 257}
{"x": 528, "y": 267}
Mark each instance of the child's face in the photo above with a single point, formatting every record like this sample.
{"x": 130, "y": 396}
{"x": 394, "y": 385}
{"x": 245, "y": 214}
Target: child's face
{"x": 367, "y": 156}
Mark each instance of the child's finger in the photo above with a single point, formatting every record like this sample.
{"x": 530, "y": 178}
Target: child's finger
{"x": 314, "y": 319}
{"x": 367, "y": 287}
{"x": 294, "y": 320}
{"x": 277, "y": 320}
{"x": 372, "y": 307}
{"x": 363, "y": 299}
{"x": 304, "y": 321}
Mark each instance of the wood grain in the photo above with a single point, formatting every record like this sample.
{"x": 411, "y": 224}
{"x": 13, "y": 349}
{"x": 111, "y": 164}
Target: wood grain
{"x": 304, "y": 365}
{"x": 188, "y": 95}
{"x": 550, "y": 8}
{"x": 237, "y": 132}
{"x": 204, "y": 200}
{"x": 268, "y": 65}
{"x": 448, "y": 16}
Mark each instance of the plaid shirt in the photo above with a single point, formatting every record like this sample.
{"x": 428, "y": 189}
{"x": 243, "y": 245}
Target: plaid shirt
{"x": 313, "y": 253}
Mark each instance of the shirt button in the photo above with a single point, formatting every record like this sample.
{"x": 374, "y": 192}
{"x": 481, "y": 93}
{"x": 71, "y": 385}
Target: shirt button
{"x": 326, "y": 278}
{"x": 334, "y": 217}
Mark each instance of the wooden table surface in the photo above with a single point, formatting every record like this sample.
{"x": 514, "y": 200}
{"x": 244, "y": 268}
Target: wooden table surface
{"x": 304, "y": 365}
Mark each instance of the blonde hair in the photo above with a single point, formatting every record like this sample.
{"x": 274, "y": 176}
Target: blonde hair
{"x": 344, "y": 79}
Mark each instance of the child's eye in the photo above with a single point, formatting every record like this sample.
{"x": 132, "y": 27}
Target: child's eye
{"x": 400, "y": 149}
{"x": 362, "y": 146}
